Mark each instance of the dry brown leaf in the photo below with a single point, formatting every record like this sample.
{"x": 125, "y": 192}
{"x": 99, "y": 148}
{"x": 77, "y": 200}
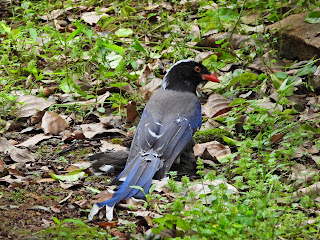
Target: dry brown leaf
{"x": 111, "y": 121}
{"x": 46, "y": 180}
{"x": 269, "y": 63}
{"x": 203, "y": 187}
{"x": 34, "y": 140}
{"x": 21, "y": 155}
{"x": 37, "y": 117}
{"x": 210, "y": 150}
{"x": 5, "y": 145}
{"x": 93, "y": 129}
{"x": 16, "y": 154}
{"x": 216, "y": 105}
{"x": 92, "y": 17}
{"x": 52, "y": 15}
{"x": 195, "y": 31}
{"x": 314, "y": 189}
{"x": 102, "y": 196}
{"x": 108, "y": 146}
{"x": 145, "y": 75}
{"x": 200, "y": 57}
{"x": 54, "y": 124}
{"x": 31, "y": 105}
{"x": 150, "y": 88}
{"x": 303, "y": 174}
{"x": 237, "y": 41}
{"x": 131, "y": 111}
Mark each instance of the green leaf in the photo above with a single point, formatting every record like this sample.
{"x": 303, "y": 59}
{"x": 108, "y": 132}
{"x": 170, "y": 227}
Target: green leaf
{"x": 318, "y": 144}
{"x": 245, "y": 79}
{"x": 33, "y": 34}
{"x": 313, "y": 17}
{"x": 152, "y": 188}
{"x": 281, "y": 75}
{"x": 231, "y": 141}
{"x": 137, "y": 46}
{"x": 109, "y": 74}
{"x": 75, "y": 33}
{"x": 114, "y": 59}
{"x": 67, "y": 85}
{"x": 93, "y": 189}
{"x": 115, "y": 48}
{"x": 5, "y": 28}
{"x": 57, "y": 221}
{"x": 72, "y": 176}
{"x": 127, "y": 10}
{"x": 123, "y": 32}
{"x": 308, "y": 128}
{"x": 237, "y": 101}
{"x": 77, "y": 221}
{"x": 139, "y": 188}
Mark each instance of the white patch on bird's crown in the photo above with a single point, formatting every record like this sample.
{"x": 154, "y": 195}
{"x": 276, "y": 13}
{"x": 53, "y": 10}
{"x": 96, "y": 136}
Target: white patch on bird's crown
{"x": 165, "y": 83}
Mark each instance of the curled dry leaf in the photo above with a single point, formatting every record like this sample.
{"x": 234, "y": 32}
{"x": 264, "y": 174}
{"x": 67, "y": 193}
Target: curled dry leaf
{"x": 52, "y": 123}
{"x": 31, "y": 105}
{"x": 216, "y": 105}
{"x": 210, "y": 150}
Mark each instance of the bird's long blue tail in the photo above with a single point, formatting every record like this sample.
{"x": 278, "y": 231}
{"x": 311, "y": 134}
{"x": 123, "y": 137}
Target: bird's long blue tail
{"x": 139, "y": 172}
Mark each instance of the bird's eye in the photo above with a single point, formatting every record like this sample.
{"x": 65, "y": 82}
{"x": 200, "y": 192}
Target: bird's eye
{"x": 197, "y": 69}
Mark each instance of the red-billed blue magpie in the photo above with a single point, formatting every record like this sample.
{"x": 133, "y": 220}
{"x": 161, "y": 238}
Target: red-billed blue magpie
{"x": 170, "y": 118}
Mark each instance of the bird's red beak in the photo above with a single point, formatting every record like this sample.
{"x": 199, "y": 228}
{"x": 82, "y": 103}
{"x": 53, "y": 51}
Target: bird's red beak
{"x": 210, "y": 77}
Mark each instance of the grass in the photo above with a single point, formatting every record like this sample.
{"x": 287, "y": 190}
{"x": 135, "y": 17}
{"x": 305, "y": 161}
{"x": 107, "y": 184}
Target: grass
{"x": 259, "y": 166}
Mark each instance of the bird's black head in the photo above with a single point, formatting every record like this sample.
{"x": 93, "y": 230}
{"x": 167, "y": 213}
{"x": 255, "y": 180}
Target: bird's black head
{"x": 185, "y": 75}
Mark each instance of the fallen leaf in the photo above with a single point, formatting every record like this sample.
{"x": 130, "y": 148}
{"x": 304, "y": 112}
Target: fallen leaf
{"x": 150, "y": 88}
{"x": 203, "y": 187}
{"x": 71, "y": 176}
{"x": 145, "y": 76}
{"x": 211, "y": 150}
{"x": 102, "y": 196}
{"x": 52, "y": 123}
{"x": 131, "y": 111}
{"x": 216, "y": 105}
{"x": 108, "y": 146}
{"x": 34, "y": 140}
{"x": 31, "y": 104}
{"x": 303, "y": 174}
{"x": 21, "y": 155}
{"x": 92, "y": 17}
{"x": 93, "y": 129}
{"x": 52, "y": 15}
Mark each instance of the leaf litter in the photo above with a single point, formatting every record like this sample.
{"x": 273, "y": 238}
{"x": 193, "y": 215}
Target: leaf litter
{"x": 44, "y": 174}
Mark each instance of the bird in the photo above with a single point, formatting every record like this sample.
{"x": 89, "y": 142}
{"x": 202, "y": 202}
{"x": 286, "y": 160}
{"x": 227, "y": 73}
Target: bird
{"x": 168, "y": 122}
